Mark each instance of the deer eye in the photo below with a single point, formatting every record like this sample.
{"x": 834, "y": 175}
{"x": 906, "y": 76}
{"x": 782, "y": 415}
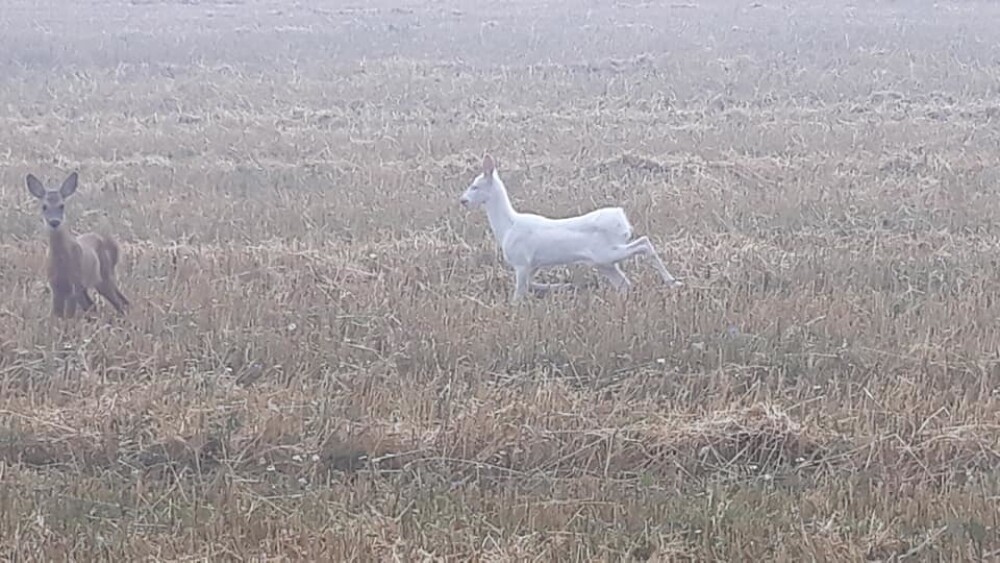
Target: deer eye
{"x": 45, "y": 207}
{"x": 61, "y": 207}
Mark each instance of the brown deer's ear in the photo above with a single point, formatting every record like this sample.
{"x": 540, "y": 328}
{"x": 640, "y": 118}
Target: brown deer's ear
{"x": 69, "y": 185}
{"x": 489, "y": 165}
{"x": 35, "y": 186}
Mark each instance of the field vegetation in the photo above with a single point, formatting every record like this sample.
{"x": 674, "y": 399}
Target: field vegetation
{"x": 321, "y": 361}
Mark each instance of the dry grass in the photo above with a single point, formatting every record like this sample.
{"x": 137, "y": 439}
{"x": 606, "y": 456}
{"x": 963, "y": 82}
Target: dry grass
{"x": 321, "y": 362}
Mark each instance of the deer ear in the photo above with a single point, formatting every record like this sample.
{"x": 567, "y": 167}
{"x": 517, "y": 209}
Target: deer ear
{"x": 489, "y": 166}
{"x": 35, "y": 186}
{"x": 68, "y": 185}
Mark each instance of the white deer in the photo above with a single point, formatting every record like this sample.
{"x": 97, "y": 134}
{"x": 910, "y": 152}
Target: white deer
{"x": 600, "y": 238}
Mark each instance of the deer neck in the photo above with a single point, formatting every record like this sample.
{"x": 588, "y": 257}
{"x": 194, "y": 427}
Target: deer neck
{"x": 500, "y": 212}
{"x": 60, "y": 247}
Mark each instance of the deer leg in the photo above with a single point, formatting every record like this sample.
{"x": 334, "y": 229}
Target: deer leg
{"x": 615, "y": 276}
{"x": 121, "y": 298}
{"x": 522, "y": 282}
{"x": 109, "y": 292}
{"x": 108, "y": 288}
{"x": 86, "y": 303}
{"x": 113, "y": 289}
{"x": 58, "y": 303}
{"x": 641, "y": 247}
{"x": 648, "y": 250}
{"x": 69, "y": 304}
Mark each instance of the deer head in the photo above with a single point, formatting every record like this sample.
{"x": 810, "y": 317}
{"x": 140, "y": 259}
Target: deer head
{"x": 482, "y": 188}
{"x": 53, "y": 201}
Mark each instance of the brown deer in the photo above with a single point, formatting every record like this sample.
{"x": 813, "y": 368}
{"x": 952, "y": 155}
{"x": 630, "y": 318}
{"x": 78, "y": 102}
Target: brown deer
{"x": 76, "y": 264}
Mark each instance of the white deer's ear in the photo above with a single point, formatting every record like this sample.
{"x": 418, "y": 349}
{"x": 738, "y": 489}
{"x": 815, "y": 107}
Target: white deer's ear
{"x": 68, "y": 185}
{"x": 35, "y": 186}
{"x": 489, "y": 166}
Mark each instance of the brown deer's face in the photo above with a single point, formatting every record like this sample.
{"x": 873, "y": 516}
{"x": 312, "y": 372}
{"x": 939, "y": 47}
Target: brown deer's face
{"x": 53, "y": 201}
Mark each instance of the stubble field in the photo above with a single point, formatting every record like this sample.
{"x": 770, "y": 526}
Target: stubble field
{"x": 321, "y": 362}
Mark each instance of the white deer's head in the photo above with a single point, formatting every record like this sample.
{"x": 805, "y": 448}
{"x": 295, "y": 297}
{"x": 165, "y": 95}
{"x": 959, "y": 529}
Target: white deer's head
{"x": 484, "y": 188}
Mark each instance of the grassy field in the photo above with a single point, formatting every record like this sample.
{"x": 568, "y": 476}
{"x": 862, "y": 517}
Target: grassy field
{"x": 321, "y": 362}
